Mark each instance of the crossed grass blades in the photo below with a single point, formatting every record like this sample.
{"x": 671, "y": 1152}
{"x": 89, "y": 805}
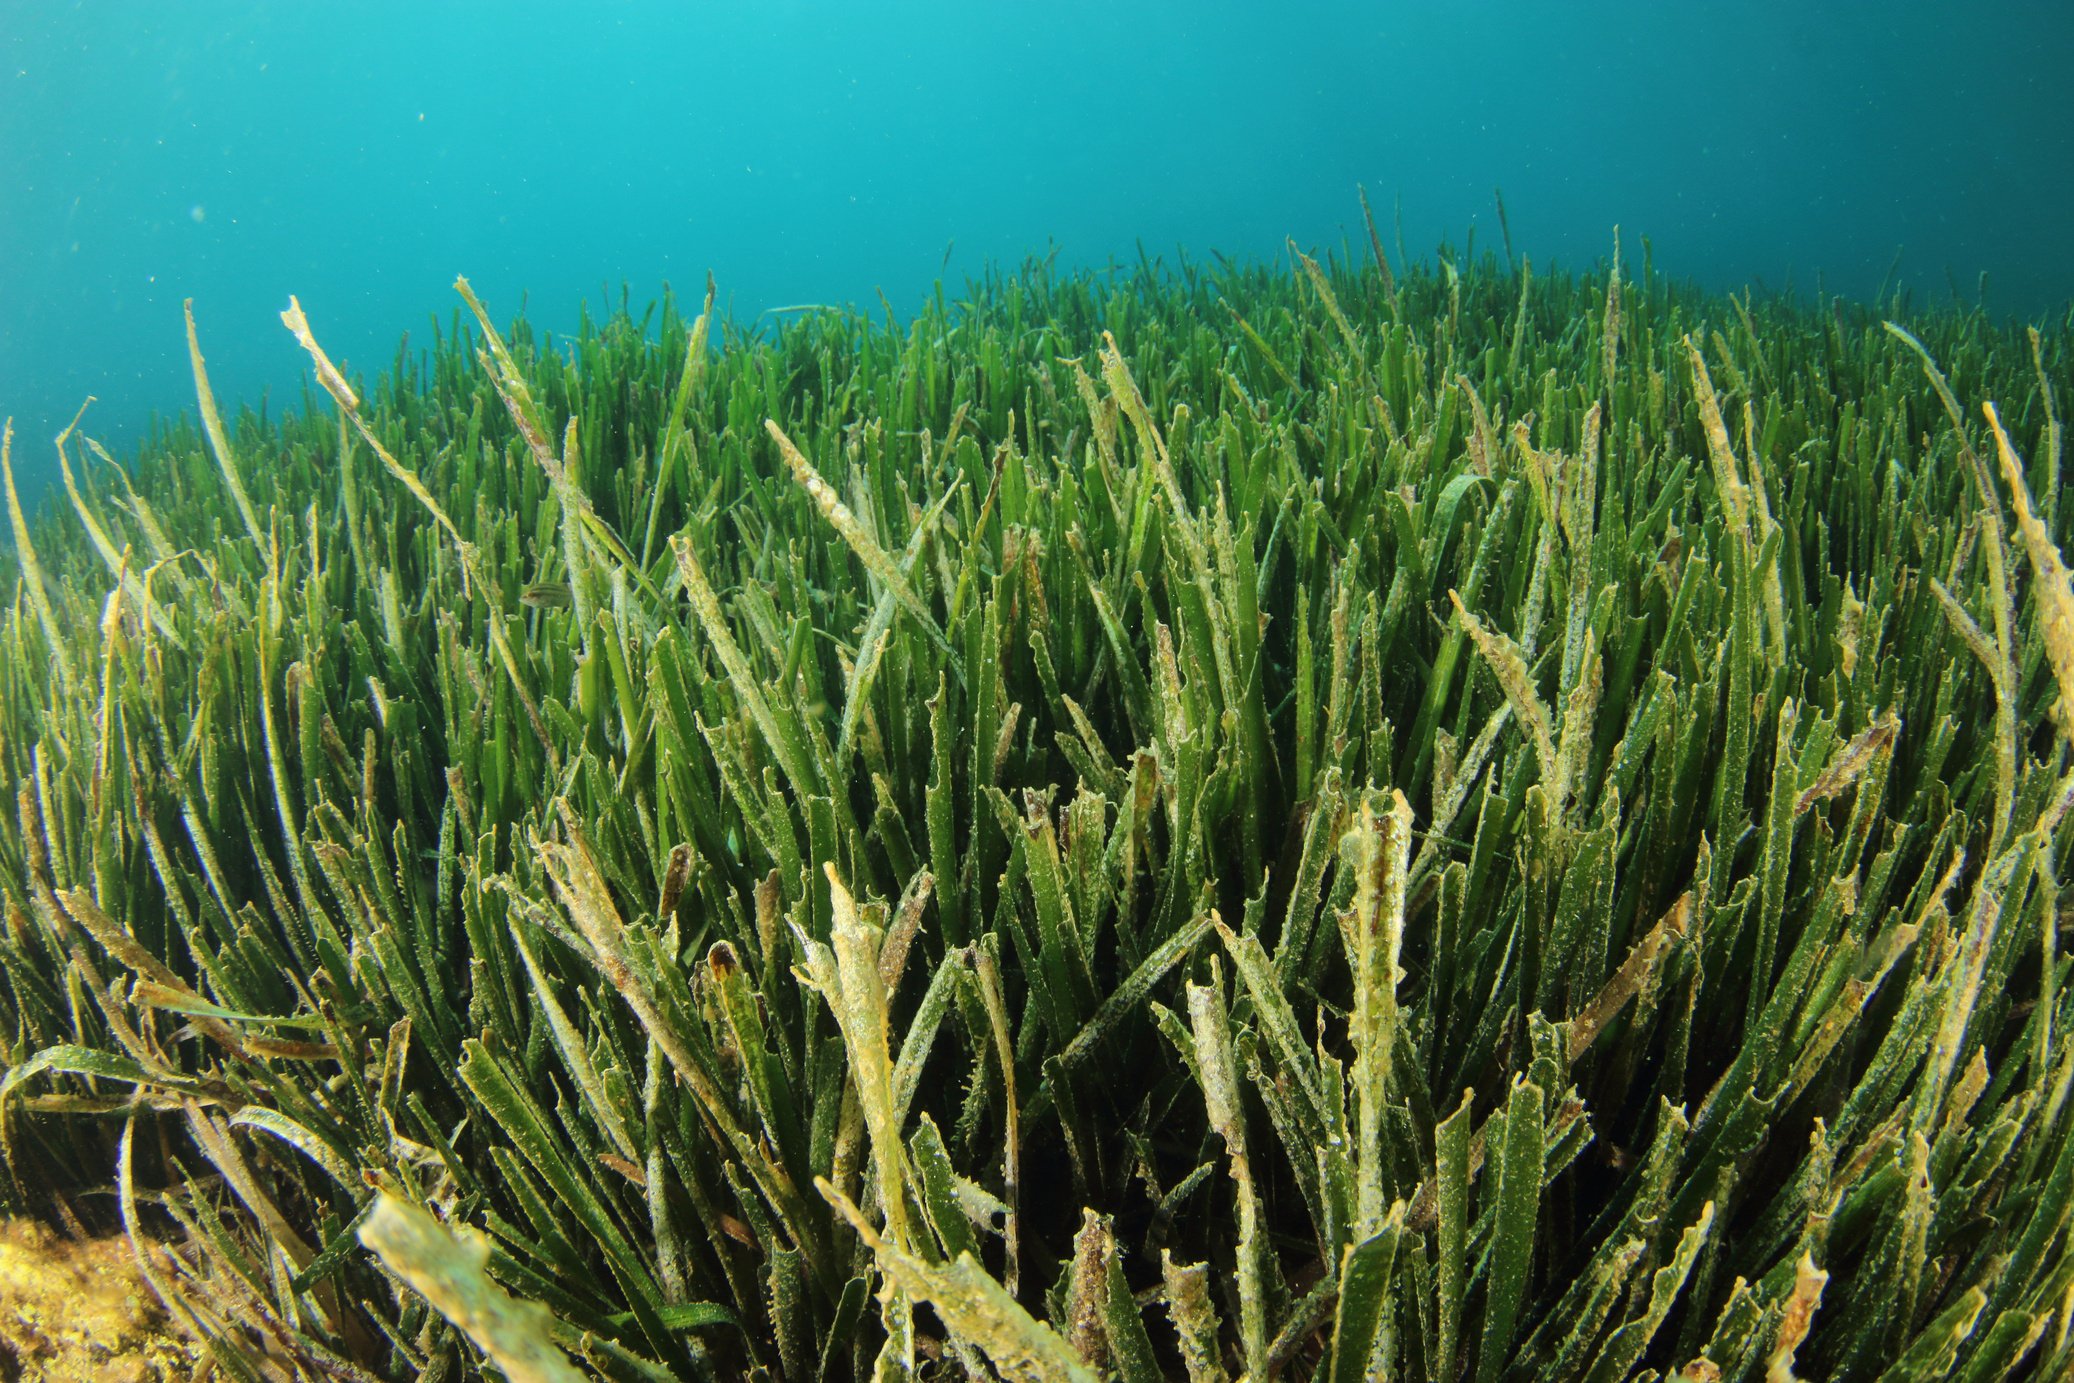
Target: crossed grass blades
{"x": 1203, "y": 823}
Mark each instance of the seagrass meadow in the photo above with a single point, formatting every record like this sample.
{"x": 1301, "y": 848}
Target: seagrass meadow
{"x": 1204, "y": 821}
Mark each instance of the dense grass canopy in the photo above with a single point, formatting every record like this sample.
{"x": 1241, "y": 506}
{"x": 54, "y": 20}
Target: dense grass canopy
{"x": 1200, "y": 822}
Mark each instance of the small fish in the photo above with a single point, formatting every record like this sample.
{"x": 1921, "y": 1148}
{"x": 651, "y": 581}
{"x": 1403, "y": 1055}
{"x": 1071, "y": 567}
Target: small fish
{"x": 548, "y": 595}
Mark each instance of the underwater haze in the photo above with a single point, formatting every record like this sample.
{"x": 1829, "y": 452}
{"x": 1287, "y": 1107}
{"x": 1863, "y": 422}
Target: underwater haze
{"x": 361, "y": 156}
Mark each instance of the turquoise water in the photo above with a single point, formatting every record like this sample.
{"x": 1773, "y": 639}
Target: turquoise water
{"x": 362, "y": 155}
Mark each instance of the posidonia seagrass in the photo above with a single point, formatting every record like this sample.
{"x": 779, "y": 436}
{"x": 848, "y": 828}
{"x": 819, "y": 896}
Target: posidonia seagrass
{"x": 1454, "y": 823}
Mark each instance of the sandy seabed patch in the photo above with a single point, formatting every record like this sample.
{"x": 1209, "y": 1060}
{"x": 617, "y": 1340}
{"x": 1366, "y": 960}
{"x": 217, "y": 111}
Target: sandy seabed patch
{"x": 79, "y": 1310}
